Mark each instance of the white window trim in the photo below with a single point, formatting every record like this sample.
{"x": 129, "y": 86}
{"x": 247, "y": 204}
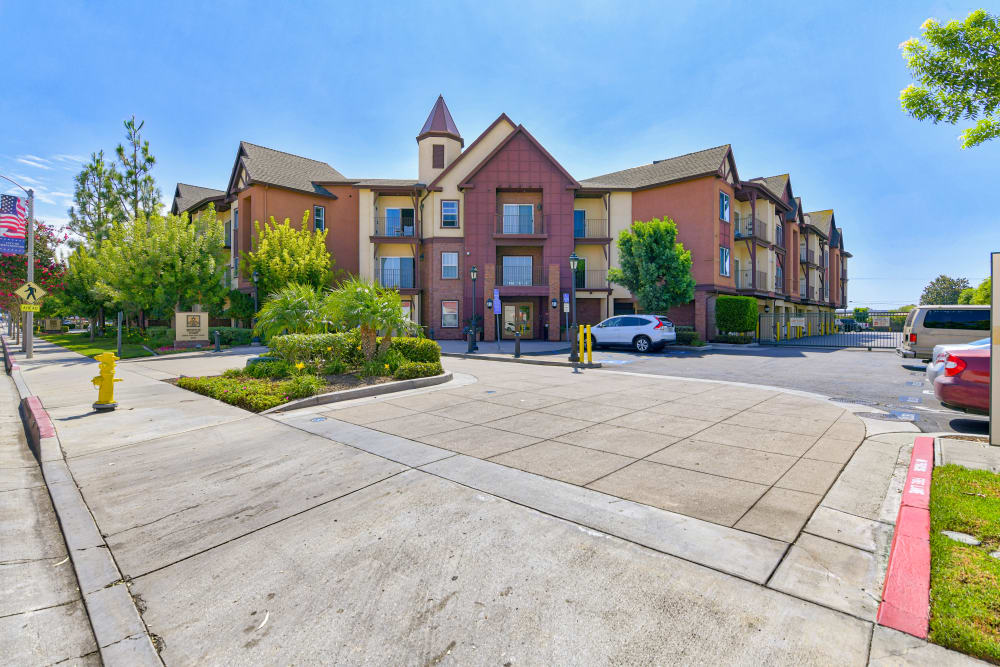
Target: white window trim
{"x": 729, "y": 207}
{"x": 321, "y": 211}
{"x": 517, "y": 213}
{"x": 450, "y": 326}
{"x": 725, "y": 268}
{"x": 448, "y": 225}
{"x": 443, "y": 265}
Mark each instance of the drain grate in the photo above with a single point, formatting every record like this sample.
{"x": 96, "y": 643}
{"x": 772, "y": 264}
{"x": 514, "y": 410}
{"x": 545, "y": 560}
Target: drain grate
{"x": 891, "y": 417}
{"x": 858, "y": 401}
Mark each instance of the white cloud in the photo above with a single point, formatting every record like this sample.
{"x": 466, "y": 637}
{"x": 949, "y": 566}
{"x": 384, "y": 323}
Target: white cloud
{"x": 68, "y": 158}
{"x": 35, "y": 158}
{"x": 68, "y": 195}
{"x": 33, "y": 163}
{"x": 28, "y": 179}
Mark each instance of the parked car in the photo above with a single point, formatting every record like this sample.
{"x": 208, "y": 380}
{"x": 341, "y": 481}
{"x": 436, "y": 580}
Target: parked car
{"x": 640, "y": 332}
{"x": 848, "y": 324}
{"x": 936, "y": 365}
{"x": 965, "y": 383}
{"x": 927, "y": 326}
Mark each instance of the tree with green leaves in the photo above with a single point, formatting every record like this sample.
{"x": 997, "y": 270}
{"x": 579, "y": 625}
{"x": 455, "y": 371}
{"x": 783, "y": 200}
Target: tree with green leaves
{"x": 965, "y": 296}
{"x": 956, "y": 67}
{"x": 95, "y": 204}
{"x": 943, "y": 290}
{"x": 296, "y": 309}
{"x": 86, "y": 293}
{"x": 372, "y": 309}
{"x": 907, "y": 308}
{"x": 283, "y": 255}
{"x": 134, "y": 185}
{"x": 981, "y": 295}
{"x": 655, "y": 268}
{"x": 860, "y": 314}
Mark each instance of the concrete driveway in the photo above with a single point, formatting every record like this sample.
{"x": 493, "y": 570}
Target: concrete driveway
{"x": 465, "y": 525}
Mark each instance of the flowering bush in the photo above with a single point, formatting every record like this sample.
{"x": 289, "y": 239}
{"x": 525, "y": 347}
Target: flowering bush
{"x": 253, "y": 394}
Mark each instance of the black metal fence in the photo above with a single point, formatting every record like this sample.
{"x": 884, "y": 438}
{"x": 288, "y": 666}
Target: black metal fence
{"x": 879, "y": 329}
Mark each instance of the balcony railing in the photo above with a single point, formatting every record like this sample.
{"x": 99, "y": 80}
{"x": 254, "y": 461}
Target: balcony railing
{"x": 396, "y": 278}
{"x": 520, "y": 224}
{"x": 394, "y": 227}
{"x": 521, "y": 276}
{"x": 745, "y": 227}
{"x": 806, "y": 255}
{"x": 742, "y": 279}
{"x": 591, "y": 228}
{"x": 763, "y": 283}
{"x": 592, "y": 279}
{"x": 779, "y": 282}
{"x": 802, "y": 288}
{"x": 779, "y": 236}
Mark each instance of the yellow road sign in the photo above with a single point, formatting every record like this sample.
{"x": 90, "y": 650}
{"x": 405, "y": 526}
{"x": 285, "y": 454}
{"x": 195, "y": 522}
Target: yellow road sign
{"x": 30, "y": 307}
{"x": 30, "y": 292}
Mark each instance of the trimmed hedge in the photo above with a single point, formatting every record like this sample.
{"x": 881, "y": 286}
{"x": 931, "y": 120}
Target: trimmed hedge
{"x": 418, "y": 369}
{"x": 738, "y": 339}
{"x": 251, "y": 393}
{"x": 735, "y": 313}
{"x": 345, "y": 347}
{"x": 230, "y": 335}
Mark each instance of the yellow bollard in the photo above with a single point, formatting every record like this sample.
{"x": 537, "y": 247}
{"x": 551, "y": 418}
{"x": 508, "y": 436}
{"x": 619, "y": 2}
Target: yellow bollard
{"x": 105, "y": 382}
{"x": 778, "y": 336}
{"x": 590, "y": 345}
{"x": 580, "y": 343}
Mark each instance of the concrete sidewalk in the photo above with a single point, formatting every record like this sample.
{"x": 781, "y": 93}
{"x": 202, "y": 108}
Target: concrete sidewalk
{"x": 306, "y": 538}
{"x": 42, "y": 616}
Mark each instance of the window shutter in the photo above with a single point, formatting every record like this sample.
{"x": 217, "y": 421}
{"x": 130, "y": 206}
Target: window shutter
{"x": 438, "y": 157}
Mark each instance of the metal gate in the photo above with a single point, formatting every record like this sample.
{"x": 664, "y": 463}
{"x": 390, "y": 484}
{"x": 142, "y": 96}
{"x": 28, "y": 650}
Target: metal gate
{"x": 877, "y": 329}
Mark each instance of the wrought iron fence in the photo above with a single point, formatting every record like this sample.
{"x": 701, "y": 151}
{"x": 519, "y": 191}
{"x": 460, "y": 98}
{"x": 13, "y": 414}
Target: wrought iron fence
{"x": 878, "y": 330}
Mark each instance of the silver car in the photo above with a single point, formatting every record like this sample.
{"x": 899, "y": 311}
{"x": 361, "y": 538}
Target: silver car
{"x": 936, "y": 365}
{"x": 640, "y": 332}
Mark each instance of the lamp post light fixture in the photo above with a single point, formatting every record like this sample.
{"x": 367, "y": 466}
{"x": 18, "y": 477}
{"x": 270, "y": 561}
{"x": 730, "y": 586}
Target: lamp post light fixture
{"x": 574, "y": 354}
{"x": 473, "y": 273}
{"x": 555, "y": 303}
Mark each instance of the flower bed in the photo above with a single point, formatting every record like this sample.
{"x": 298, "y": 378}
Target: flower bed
{"x": 310, "y": 364}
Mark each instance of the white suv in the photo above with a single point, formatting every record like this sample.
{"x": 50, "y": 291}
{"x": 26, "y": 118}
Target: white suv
{"x": 640, "y": 332}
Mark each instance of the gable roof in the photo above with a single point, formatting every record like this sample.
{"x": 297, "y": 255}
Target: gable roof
{"x": 440, "y": 123}
{"x": 520, "y": 129}
{"x": 775, "y": 184}
{"x": 187, "y": 197}
{"x": 433, "y": 185}
{"x": 661, "y": 172}
{"x": 294, "y": 172}
{"x": 821, "y": 220}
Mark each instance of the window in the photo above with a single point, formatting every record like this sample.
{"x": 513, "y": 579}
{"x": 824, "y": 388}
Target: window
{"x": 398, "y": 222}
{"x": 518, "y": 219}
{"x": 723, "y": 206}
{"x": 579, "y": 224}
{"x": 971, "y": 318}
{"x": 437, "y": 156}
{"x": 613, "y": 322}
{"x": 449, "y": 265}
{"x": 449, "y": 314}
{"x": 449, "y": 213}
{"x": 396, "y": 272}
{"x": 319, "y": 218}
{"x": 723, "y": 261}
{"x": 516, "y": 270}
{"x": 581, "y": 273}
{"x": 236, "y": 230}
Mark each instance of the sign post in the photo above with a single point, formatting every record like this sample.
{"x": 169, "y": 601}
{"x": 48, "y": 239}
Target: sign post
{"x": 994, "y": 342}
{"x": 29, "y": 330}
{"x": 496, "y": 314}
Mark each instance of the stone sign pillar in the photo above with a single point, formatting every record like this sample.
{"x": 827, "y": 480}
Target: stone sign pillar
{"x": 191, "y": 329}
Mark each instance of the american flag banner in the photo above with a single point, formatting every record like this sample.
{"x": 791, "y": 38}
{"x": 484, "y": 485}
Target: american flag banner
{"x": 13, "y": 225}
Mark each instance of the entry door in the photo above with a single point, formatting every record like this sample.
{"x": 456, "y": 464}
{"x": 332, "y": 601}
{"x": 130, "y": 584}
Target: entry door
{"x": 518, "y": 317}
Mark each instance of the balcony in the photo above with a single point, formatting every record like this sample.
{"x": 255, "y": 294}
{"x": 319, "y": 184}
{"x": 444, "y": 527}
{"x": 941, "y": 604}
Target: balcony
{"x": 745, "y": 227}
{"x": 591, "y": 228}
{"x": 521, "y": 276}
{"x": 802, "y": 289}
{"x": 779, "y": 282}
{"x": 744, "y": 281}
{"x": 394, "y": 228}
{"x": 807, "y": 256}
{"x": 592, "y": 279}
{"x": 520, "y": 225}
{"x": 779, "y": 237}
{"x": 396, "y": 279}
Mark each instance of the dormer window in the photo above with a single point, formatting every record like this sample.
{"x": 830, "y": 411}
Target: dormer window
{"x": 437, "y": 158}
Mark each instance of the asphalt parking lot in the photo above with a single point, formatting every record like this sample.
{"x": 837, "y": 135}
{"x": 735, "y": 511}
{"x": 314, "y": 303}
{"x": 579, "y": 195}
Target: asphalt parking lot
{"x": 879, "y": 378}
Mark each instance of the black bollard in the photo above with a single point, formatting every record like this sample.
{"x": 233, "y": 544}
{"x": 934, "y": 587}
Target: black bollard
{"x": 517, "y": 344}
{"x": 218, "y": 341}
{"x": 472, "y": 342}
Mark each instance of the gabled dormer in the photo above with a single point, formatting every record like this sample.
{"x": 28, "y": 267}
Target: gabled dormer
{"x": 438, "y": 143}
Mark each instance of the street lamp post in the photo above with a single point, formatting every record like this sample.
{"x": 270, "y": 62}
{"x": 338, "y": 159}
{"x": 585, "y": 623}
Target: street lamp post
{"x": 253, "y": 321}
{"x": 574, "y": 354}
{"x": 29, "y": 317}
{"x": 473, "y": 273}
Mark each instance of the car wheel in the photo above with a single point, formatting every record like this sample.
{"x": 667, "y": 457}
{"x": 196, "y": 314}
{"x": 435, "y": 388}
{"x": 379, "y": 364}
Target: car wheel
{"x": 593, "y": 342}
{"x": 641, "y": 343}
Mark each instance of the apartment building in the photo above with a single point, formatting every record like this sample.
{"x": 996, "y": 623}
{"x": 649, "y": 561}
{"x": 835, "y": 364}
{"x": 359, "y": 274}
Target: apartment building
{"x": 506, "y": 206}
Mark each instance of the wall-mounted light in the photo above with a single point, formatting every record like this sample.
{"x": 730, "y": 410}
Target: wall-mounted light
{"x": 555, "y": 303}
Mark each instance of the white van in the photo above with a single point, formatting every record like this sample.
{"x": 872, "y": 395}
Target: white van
{"x": 927, "y": 326}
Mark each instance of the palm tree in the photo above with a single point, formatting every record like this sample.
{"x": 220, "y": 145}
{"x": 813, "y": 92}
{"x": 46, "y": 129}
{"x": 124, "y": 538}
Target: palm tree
{"x": 370, "y": 308}
{"x": 295, "y": 308}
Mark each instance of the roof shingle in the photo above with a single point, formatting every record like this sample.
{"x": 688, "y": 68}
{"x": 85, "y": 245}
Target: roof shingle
{"x": 266, "y": 165}
{"x": 187, "y": 196}
{"x": 660, "y": 172}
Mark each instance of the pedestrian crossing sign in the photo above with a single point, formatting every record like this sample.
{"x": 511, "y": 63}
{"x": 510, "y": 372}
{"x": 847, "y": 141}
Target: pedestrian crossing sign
{"x": 30, "y": 292}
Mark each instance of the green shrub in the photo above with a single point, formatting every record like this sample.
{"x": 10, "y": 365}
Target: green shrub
{"x": 233, "y": 373}
{"x": 735, "y": 313}
{"x": 741, "y": 339}
{"x": 335, "y": 367}
{"x": 273, "y": 370}
{"x": 417, "y": 349}
{"x": 318, "y": 348}
{"x": 418, "y": 369}
{"x": 248, "y": 393}
{"x": 689, "y": 337}
{"x": 302, "y": 386}
{"x": 231, "y": 335}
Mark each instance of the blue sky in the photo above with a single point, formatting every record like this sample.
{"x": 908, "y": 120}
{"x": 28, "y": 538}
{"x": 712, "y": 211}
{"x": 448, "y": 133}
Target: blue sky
{"x": 805, "y": 88}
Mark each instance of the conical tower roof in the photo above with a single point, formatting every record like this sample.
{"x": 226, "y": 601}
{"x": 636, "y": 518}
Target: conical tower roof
{"x": 440, "y": 123}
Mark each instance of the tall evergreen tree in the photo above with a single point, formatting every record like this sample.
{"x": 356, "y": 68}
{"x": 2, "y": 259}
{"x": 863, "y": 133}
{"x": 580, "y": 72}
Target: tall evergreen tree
{"x": 95, "y": 204}
{"x": 134, "y": 185}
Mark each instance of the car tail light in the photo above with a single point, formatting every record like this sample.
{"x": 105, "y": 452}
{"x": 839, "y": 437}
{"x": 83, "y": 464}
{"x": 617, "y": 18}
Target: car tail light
{"x": 913, "y": 338}
{"x": 953, "y": 365}
{"x": 658, "y": 324}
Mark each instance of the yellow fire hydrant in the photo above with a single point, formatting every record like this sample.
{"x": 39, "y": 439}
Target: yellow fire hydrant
{"x": 105, "y": 382}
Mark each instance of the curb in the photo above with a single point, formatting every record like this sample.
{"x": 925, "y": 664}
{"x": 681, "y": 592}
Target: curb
{"x": 122, "y": 637}
{"x": 361, "y": 392}
{"x": 521, "y": 360}
{"x": 906, "y": 595}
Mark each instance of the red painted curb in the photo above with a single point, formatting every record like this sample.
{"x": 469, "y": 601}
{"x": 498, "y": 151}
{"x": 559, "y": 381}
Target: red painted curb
{"x": 40, "y": 417}
{"x": 906, "y": 594}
